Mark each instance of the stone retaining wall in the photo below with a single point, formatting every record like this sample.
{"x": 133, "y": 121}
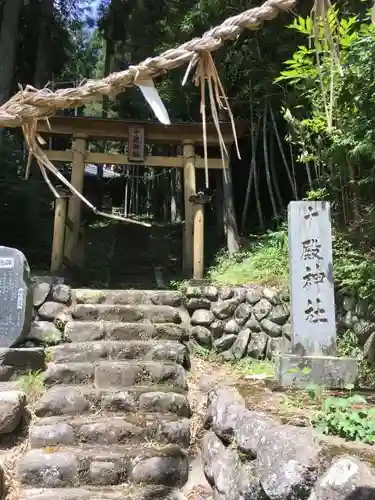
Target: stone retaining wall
{"x": 248, "y": 455}
{"x": 359, "y": 317}
{"x": 255, "y": 321}
{"x": 51, "y": 304}
{"x": 237, "y": 322}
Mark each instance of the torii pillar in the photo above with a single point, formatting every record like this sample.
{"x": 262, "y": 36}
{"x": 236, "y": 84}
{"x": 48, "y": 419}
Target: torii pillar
{"x": 189, "y": 191}
{"x": 199, "y": 200}
{"x": 73, "y": 222}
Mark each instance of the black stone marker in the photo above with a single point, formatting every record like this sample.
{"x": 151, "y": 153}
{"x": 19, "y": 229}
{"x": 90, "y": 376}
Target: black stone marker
{"x": 15, "y": 297}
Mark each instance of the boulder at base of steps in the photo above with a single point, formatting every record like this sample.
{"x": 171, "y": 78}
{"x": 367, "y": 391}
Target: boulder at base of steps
{"x": 113, "y": 422}
{"x": 116, "y": 374}
{"x": 63, "y": 466}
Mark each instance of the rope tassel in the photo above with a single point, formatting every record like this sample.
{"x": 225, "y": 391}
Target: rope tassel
{"x": 206, "y": 72}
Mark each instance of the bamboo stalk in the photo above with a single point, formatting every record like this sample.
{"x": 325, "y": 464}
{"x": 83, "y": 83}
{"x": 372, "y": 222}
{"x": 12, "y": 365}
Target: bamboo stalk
{"x": 308, "y": 173}
{"x": 126, "y": 191}
{"x": 293, "y": 184}
{"x": 274, "y": 173}
{"x": 266, "y": 162}
{"x": 257, "y": 198}
{"x": 293, "y": 169}
{"x": 254, "y": 144}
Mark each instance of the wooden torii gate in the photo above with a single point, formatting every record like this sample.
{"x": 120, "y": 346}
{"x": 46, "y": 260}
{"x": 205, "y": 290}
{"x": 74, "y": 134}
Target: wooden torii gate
{"x": 30, "y": 107}
{"x": 67, "y": 225}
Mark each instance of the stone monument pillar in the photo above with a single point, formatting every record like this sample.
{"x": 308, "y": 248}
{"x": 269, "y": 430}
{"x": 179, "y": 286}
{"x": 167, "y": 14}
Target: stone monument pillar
{"x": 16, "y": 305}
{"x": 312, "y": 303}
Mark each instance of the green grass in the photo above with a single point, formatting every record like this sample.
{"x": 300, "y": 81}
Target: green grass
{"x": 202, "y": 352}
{"x": 32, "y": 384}
{"x": 264, "y": 262}
{"x": 248, "y": 366}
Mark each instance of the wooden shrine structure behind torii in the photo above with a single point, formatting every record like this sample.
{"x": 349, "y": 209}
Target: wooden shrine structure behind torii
{"x": 67, "y": 228}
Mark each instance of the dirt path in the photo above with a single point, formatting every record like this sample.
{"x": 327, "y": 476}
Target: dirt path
{"x": 204, "y": 376}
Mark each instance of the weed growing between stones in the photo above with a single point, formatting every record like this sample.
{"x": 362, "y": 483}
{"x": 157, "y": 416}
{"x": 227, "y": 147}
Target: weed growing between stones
{"x": 203, "y": 353}
{"x": 32, "y": 384}
{"x": 48, "y": 357}
{"x": 178, "y": 284}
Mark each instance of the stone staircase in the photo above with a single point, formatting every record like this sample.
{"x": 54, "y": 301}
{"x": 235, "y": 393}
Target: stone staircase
{"x": 113, "y": 422}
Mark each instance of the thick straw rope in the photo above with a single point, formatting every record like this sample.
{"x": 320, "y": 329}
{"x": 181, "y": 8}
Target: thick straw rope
{"x": 30, "y": 103}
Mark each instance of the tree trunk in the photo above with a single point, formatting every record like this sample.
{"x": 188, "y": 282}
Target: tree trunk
{"x": 354, "y": 195}
{"x": 219, "y": 197}
{"x": 253, "y": 166}
{"x": 173, "y": 181}
{"x": 179, "y": 201}
{"x": 166, "y": 195}
{"x": 107, "y": 70}
{"x": 233, "y": 239}
{"x": 126, "y": 193}
{"x": 274, "y": 172}
{"x": 266, "y": 163}
{"x": 105, "y": 106}
{"x": 136, "y": 210}
{"x": 41, "y": 74}
{"x": 8, "y": 46}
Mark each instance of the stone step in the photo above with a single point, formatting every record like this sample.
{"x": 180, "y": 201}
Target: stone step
{"x": 15, "y": 362}
{"x": 129, "y": 492}
{"x": 75, "y": 400}
{"x": 110, "y": 429}
{"x": 64, "y": 467}
{"x": 127, "y": 313}
{"x": 116, "y": 374}
{"x": 128, "y": 297}
{"x": 81, "y": 331}
{"x": 151, "y": 350}
{"x": 13, "y": 385}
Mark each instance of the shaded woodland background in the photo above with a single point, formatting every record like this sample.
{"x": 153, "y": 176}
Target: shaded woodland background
{"x": 60, "y": 43}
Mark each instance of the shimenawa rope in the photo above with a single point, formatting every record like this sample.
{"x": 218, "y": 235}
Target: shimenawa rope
{"x": 32, "y": 103}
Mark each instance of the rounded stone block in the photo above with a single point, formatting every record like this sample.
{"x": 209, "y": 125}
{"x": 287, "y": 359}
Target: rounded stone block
{"x": 40, "y": 293}
{"x": 48, "y": 470}
{"x": 12, "y": 410}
